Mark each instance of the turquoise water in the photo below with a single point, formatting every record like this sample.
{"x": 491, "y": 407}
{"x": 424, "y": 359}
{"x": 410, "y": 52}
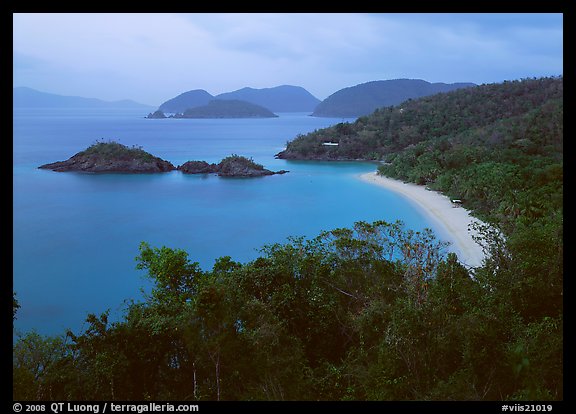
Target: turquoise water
{"x": 75, "y": 236}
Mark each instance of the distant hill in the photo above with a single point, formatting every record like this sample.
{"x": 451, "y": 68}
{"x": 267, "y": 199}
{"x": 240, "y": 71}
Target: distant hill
{"x": 363, "y": 99}
{"x": 285, "y": 98}
{"x": 190, "y": 99}
{"x": 24, "y": 97}
{"x": 227, "y": 109}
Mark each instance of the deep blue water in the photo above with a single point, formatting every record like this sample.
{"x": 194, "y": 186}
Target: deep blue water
{"x": 76, "y": 236}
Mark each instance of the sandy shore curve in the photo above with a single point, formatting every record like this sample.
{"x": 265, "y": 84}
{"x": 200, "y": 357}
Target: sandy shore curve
{"x": 439, "y": 209}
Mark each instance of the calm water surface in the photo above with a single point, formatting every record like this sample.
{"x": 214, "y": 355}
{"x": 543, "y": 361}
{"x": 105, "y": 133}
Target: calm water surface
{"x": 75, "y": 235}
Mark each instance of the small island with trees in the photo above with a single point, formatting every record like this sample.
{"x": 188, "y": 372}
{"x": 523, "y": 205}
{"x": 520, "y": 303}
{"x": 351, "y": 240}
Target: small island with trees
{"x": 231, "y": 166}
{"x": 113, "y": 157}
{"x": 220, "y": 108}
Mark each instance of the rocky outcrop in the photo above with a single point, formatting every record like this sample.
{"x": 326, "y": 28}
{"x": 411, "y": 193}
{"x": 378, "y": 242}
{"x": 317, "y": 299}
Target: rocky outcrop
{"x": 112, "y": 157}
{"x": 198, "y": 167}
{"x": 156, "y": 115}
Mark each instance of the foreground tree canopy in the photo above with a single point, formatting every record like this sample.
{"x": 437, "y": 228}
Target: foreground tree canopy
{"x": 372, "y": 312}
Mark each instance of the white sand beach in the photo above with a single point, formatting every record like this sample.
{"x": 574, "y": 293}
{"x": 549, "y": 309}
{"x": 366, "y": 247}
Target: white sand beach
{"x": 453, "y": 221}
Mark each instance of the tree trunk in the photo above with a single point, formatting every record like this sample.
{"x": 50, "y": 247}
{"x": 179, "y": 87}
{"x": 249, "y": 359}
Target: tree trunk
{"x": 195, "y": 383}
{"x": 218, "y": 376}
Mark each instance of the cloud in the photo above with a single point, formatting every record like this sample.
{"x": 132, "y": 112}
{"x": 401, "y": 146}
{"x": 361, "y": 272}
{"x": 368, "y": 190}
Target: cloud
{"x": 152, "y": 57}
{"x": 105, "y": 40}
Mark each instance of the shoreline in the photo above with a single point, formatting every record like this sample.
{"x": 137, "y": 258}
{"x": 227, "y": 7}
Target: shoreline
{"x": 438, "y": 208}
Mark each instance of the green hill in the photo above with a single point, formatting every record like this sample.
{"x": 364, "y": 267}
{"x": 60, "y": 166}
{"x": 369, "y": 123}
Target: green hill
{"x": 227, "y": 109}
{"x": 445, "y": 117}
{"x": 490, "y": 145}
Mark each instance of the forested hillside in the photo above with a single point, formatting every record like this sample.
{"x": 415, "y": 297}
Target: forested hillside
{"x": 443, "y": 117}
{"x": 498, "y": 147}
{"x": 373, "y": 312}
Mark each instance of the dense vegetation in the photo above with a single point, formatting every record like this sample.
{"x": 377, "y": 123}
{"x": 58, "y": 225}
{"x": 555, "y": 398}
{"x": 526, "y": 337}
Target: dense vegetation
{"x": 112, "y": 150}
{"x": 231, "y": 166}
{"x": 234, "y": 161}
{"x": 374, "y": 312}
{"x": 448, "y": 119}
{"x": 498, "y": 147}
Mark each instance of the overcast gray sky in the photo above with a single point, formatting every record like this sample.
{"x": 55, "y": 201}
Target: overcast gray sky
{"x": 152, "y": 57}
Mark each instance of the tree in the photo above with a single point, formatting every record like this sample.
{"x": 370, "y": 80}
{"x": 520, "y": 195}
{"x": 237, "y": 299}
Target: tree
{"x": 35, "y": 361}
{"x": 15, "y": 306}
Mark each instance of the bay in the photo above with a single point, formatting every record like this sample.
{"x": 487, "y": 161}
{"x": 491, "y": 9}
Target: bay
{"x": 76, "y": 236}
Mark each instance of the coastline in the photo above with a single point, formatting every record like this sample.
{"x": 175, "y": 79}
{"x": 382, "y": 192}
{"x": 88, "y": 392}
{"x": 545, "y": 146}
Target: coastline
{"x": 438, "y": 208}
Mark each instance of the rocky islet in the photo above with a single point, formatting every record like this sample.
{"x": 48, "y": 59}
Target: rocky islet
{"x": 113, "y": 157}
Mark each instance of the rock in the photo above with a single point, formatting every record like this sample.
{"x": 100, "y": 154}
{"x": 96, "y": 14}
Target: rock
{"x": 156, "y": 115}
{"x": 198, "y": 167}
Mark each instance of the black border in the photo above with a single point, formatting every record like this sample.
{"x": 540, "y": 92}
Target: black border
{"x": 431, "y": 6}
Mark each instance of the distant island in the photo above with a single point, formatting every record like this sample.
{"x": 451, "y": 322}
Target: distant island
{"x": 232, "y": 166}
{"x": 365, "y": 98}
{"x": 284, "y": 98}
{"x": 24, "y": 97}
{"x": 220, "y": 109}
{"x": 113, "y": 157}
{"x": 190, "y": 99}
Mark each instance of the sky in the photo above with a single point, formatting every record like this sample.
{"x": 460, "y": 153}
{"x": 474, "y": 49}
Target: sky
{"x": 152, "y": 57}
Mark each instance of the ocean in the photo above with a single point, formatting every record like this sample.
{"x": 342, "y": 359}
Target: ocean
{"x": 76, "y": 235}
